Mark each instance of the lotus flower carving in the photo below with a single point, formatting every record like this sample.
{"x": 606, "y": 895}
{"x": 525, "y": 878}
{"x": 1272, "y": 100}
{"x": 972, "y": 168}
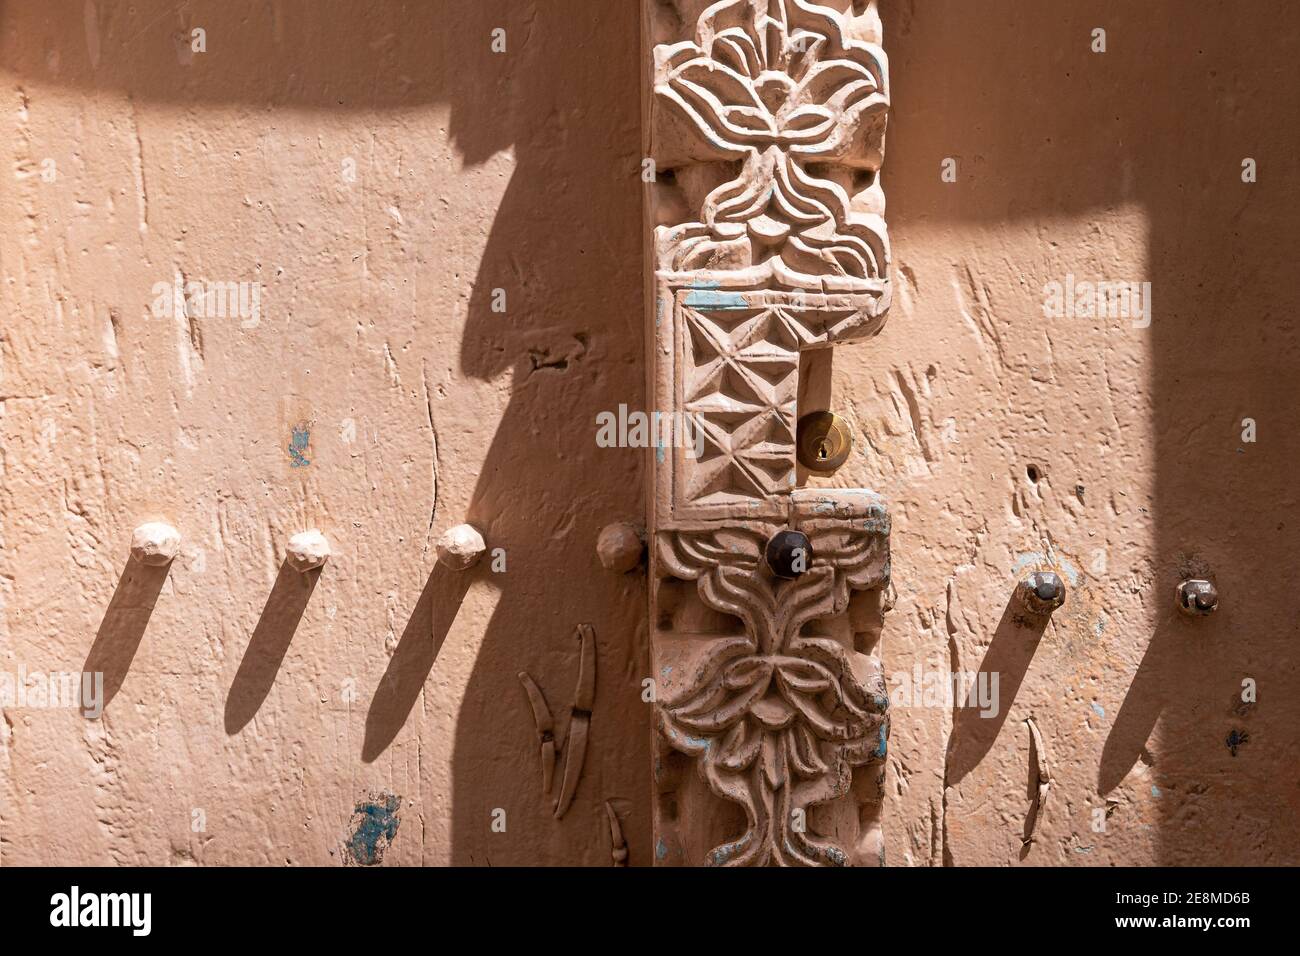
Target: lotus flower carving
{"x": 778, "y": 85}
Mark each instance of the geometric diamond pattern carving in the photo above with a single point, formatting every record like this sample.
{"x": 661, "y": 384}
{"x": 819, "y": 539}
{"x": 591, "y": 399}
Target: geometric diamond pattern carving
{"x": 740, "y": 389}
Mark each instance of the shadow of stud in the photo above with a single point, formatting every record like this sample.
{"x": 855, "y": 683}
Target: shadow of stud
{"x": 268, "y": 645}
{"x": 122, "y": 627}
{"x": 413, "y": 659}
{"x": 1006, "y": 660}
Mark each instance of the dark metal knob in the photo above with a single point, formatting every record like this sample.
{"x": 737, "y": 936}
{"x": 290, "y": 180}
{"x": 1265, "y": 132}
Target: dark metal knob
{"x": 789, "y": 554}
{"x": 1042, "y": 592}
{"x": 1198, "y": 597}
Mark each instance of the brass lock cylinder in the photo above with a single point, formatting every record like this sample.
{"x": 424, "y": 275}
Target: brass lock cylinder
{"x": 823, "y": 442}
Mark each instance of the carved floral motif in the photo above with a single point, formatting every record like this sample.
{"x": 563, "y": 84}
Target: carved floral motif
{"x": 778, "y": 719}
{"x": 778, "y": 85}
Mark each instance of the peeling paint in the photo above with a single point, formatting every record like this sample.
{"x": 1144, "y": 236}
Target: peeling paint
{"x": 374, "y": 826}
{"x": 1236, "y": 738}
{"x": 705, "y": 295}
{"x": 300, "y": 446}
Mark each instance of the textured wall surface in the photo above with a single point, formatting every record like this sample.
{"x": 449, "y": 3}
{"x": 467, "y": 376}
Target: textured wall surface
{"x": 1118, "y": 166}
{"x": 378, "y": 172}
{"x": 474, "y": 171}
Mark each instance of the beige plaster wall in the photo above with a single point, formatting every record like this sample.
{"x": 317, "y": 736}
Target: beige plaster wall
{"x": 1124, "y": 165}
{"x": 377, "y": 715}
{"x": 473, "y": 171}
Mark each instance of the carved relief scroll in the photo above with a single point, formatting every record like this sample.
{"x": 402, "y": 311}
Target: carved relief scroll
{"x": 766, "y": 121}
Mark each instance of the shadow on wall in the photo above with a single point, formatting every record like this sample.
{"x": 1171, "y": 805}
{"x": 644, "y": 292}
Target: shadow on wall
{"x": 566, "y": 246}
{"x": 1164, "y": 119}
{"x": 123, "y": 625}
{"x": 567, "y": 242}
{"x": 1009, "y": 655}
{"x": 268, "y": 645}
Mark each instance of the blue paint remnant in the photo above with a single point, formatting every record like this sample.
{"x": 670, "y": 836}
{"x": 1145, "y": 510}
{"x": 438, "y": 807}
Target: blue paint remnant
{"x": 720, "y": 855}
{"x": 697, "y": 743}
{"x": 1235, "y": 739}
{"x": 299, "y": 445}
{"x": 836, "y": 856}
{"x": 877, "y": 525}
{"x": 660, "y": 454}
{"x": 661, "y": 850}
{"x": 882, "y": 747}
{"x": 374, "y": 825}
{"x": 1155, "y": 791}
{"x": 665, "y": 670}
{"x": 1097, "y": 709}
{"x": 1083, "y": 849}
{"x": 705, "y": 298}
{"x": 869, "y": 509}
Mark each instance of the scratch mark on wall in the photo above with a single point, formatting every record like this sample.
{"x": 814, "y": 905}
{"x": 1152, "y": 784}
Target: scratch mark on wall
{"x": 1040, "y": 777}
{"x": 111, "y": 349}
{"x": 982, "y": 322}
{"x": 187, "y": 352}
{"x": 394, "y": 377}
{"x": 137, "y": 164}
{"x": 434, "y": 464}
{"x": 914, "y": 414}
{"x": 90, "y": 17}
{"x": 196, "y": 335}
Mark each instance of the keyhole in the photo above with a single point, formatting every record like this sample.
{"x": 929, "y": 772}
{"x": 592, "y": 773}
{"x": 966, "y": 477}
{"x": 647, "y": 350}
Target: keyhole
{"x": 822, "y": 442}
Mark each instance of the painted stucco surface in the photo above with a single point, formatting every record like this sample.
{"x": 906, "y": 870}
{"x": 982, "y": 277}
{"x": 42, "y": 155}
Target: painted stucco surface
{"x": 380, "y": 175}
